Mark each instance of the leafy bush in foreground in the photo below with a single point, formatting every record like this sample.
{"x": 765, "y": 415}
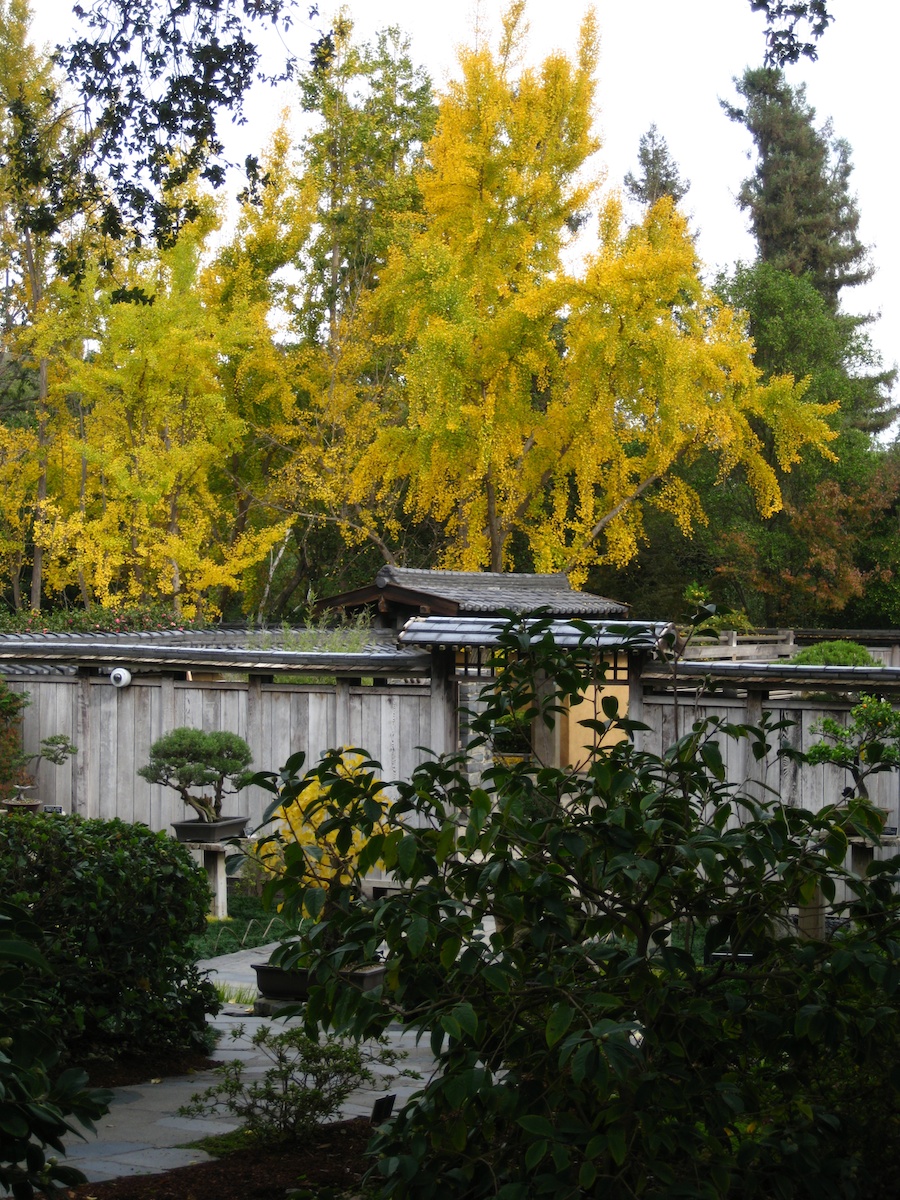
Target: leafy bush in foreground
{"x": 115, "y": 905}
{"x": 36, "y": 1101}
{"x": 583, "y": 1051}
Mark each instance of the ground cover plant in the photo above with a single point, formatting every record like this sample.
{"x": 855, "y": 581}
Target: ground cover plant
{"x": 249, "y": 923}
{"x": 116, "y": 905}
{"x": 305, "y": 1085}
{"x": 583, "y": 1049}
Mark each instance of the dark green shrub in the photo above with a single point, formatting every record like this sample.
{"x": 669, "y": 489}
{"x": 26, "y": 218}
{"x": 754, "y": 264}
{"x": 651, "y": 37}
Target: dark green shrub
{"x": 36, "y": 1101}
{"x": 116, "y": 905}
{"x": 98, "y": 620}
{"x": 835, "y": 654}
{"x": 584, "y": 1051}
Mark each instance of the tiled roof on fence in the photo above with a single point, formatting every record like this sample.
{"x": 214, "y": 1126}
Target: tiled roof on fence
{"x": 254, "y": 652}
{"x": 451, "y": 593}
{"x": 484, "y": 631}
{"x": 761, "y": 676}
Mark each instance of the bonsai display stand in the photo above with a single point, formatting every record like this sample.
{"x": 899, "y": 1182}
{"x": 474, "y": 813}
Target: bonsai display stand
{"x": 211, "y": 856}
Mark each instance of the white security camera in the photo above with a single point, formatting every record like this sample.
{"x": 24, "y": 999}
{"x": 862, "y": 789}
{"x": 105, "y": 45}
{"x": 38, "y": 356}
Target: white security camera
{"x": 120, "y": 677}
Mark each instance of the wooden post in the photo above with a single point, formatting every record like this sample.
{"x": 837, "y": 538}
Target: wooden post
{"x": 211, "y": 856}
{"x": 342, "y": 713}
{"x": 547, "y": 740}
{"x": 636, "y": 696}
{"x": 811, "y": 918}
{"x": 754, "y": 768}
{"x": 254, "y": 718}
{"x": 80, "y": 770}
{"x": 786, "y": 646}
{"x": 862, "y": 855}
{"x": 444, "y": 703}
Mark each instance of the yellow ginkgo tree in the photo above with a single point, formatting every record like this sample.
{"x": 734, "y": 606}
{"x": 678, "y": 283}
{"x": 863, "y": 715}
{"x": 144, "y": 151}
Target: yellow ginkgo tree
{"x": 144, "y": 507}
{"x": 537, "y": 405}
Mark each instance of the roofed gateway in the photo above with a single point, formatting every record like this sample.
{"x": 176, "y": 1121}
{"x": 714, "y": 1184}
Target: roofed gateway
{"x": 401, "y": 592}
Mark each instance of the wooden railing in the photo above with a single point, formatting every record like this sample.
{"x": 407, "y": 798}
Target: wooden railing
{"x": 770, "y": 645}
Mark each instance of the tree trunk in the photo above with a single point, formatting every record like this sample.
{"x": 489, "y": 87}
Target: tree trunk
{"x": 494, "y": 530}
{"x": 36, "y": 288}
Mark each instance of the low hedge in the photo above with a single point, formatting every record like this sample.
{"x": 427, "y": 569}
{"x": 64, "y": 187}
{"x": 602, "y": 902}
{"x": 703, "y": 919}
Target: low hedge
{"x": 835, "y": 654}
{"x": 116, "y": 905}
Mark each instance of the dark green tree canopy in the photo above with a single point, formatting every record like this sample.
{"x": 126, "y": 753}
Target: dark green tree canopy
{"x": 658, "y": 172}
{"x": 795, "y": 331}
{"x": 792, "y": 28}
{"x": 802, "y": 214}
{"x": 374, "y": 111}
{"x": 156, "y": 79}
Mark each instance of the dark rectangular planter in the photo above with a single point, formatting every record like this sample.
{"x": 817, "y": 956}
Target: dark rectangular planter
{"x": 210, "y": 831}
{"x": 276, "y": 983}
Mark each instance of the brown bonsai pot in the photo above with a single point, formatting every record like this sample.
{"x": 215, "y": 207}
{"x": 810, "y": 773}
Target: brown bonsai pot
{"x": 29, "y": 806}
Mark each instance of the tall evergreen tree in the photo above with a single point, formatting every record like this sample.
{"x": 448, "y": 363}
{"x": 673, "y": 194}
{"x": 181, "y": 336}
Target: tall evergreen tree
{"x": 802, "y": 213}
{"x": 659, "y": 172}
{"x": 818, "y": 555}
{"x": 795, "y": 331}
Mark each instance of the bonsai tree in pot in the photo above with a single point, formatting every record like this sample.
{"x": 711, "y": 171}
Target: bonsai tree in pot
{"x": 15, "y": 764}
{"x": 312, "y": 859}
{"x": 868, "y": 744}
{"x": 203, "y": 768}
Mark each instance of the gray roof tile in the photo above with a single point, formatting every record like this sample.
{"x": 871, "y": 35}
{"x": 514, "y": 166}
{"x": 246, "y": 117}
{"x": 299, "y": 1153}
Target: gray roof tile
{"x": 484, "y": 631}
{"x": 491, "y": 592}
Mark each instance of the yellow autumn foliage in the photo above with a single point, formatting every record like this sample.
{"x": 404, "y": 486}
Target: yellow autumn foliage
{"x": 142, "y": 504}
{"x": 397, "y": 335}
{"x": 299, "y": 824}
{"x": 538, "y": 401}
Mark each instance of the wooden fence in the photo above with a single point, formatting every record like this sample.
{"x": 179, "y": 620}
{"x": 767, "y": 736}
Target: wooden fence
{"x": 114, "y": 728}
{"x": 671, "y": 714}
{"x": 811, "y": 787}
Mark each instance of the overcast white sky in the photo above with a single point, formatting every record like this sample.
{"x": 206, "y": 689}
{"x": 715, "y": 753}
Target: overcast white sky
{"x": 669, "y": 64}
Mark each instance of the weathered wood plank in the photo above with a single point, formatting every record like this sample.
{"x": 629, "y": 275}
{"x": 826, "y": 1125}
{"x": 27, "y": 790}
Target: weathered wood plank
{"x": 108, "y": 781}
{"x": 114, "y": 728}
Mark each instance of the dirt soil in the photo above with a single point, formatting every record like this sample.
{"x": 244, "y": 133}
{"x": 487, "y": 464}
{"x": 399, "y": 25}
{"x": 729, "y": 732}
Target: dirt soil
{"x": 331, "y": 1163}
